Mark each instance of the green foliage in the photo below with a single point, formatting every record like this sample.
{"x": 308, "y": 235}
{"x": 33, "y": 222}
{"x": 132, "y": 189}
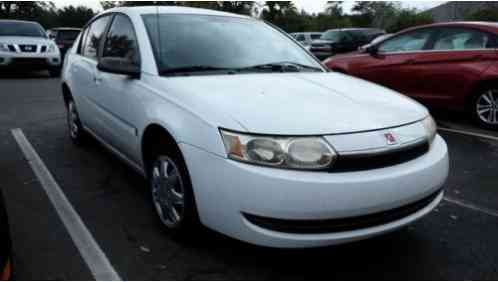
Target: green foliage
{"x": 487, "y": 15}
{"x": 409, "y": 18}
{"x": 386, "y": 15}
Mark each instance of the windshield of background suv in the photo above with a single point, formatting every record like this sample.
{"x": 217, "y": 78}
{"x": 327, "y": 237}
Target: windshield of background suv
{"x": 21, "y": 29}
{"x": 219, "y": 42}
{"x": 333, "y": 35}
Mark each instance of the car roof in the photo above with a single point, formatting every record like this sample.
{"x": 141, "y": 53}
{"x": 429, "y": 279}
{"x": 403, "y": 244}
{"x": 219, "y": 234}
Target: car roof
{"x": 355, "y": 29}
{"x": 65, "y": 29}
{"x": 144, "y": 10}
{"x": 489, "y": 26}
{"x": 18, "y": 21}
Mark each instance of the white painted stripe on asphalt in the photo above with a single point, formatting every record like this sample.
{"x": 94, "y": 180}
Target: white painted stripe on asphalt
{"x": 485, "y": 136}
{"x": 94, "y": 257}
{"x": 471, "y": 207}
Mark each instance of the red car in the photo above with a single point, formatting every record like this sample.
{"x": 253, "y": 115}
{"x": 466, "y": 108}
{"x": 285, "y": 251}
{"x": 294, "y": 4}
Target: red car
{"x": 447, "y": 65}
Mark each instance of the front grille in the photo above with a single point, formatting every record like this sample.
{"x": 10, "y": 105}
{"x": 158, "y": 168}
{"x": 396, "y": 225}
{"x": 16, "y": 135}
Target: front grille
{"x": 31, "y": 62}
{"x": 27, "y": 48}
{"x": 359, "y": 162}
{"x": 342, "y": 224}
{"x": 43, "y": 49}
{"x": 12, "y": 48}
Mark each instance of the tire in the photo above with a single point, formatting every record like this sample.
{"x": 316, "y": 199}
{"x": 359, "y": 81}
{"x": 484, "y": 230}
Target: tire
{"x": 55, "y": 72}
{"x": 75, "y": 128}
{"x": 483, "y": 107}
{"x": 172, "y": 194}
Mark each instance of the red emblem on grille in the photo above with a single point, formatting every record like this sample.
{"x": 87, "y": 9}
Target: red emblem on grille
{"x": 390, "y": 139}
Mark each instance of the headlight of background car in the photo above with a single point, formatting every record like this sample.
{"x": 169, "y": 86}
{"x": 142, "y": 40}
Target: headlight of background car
{"x": 300, "y": 153}
{"x": 4, "y": 47}
{"x": 51, "y": 48}
{"x": 430, "y": 127}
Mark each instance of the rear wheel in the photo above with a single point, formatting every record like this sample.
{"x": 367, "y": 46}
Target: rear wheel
{"x": 172, "y": 192}
{"x": 484, "y": 107}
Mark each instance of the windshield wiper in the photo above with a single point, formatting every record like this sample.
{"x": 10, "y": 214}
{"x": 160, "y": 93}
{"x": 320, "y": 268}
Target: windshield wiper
{"x": 282, "y": 67}
{"x": 191, "y": 69}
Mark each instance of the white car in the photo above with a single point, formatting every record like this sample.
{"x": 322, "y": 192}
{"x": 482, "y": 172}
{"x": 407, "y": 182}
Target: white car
{"x": 25, "y": 46}
{"x": 239, "y": 128}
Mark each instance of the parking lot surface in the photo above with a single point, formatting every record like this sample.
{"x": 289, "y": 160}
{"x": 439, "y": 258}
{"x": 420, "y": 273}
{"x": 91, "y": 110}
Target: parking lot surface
{"x": 458, "y": 241}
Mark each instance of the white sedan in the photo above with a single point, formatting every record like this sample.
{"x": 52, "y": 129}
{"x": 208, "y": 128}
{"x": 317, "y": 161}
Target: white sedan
{"x": 238, "y": 128}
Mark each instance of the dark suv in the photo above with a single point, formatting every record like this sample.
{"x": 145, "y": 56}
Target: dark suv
{"x": 64, "y": 37}
{"x": 337, "y": 41}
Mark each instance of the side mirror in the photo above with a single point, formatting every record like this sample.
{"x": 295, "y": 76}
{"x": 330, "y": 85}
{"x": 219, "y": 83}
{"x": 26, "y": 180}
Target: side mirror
{"x": 372, "y": 50}
{"x": 119, "y": 66}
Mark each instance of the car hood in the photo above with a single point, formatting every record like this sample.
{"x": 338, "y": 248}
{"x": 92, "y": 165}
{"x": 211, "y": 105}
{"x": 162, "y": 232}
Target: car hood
{"x": 24, "y": 40}
{"x": 295, "y": 104}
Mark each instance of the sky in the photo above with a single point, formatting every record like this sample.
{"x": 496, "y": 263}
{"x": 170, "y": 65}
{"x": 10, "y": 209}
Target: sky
{"x": 311, "y": 6}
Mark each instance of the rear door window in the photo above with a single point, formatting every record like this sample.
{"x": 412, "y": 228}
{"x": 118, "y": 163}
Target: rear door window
{"x": 461, "y": 39}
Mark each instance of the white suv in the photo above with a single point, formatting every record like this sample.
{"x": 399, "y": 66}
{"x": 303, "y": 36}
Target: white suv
{"x": 25, "y": 46}
{"x": 239, "y": 128}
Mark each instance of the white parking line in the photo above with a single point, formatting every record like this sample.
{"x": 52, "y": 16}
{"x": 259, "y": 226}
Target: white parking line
{"x": 471, "y": 207}
{"x": 94, "y": 257}
{"x": 485, "y": 136}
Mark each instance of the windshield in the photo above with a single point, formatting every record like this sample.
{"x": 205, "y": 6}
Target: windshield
{"x": 333, "y": 35}
{"x": 21, "y": 29}
{"x": 69, "y": 35}
{"x": 219, "y": 42}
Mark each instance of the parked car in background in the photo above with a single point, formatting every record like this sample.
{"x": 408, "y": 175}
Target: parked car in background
{"x": 25, "y": 46}
{"x": 301, "y": 157}
{"x": 306, "y": 38}
{"x": 338, "y": 41}
{"x": 5, "y": 243}
{"x": 448, "y": 65}
{"x": 64, "y": 37}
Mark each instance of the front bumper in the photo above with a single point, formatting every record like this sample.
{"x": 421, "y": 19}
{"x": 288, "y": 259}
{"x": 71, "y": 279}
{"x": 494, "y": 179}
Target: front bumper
{"x": 29, "y": 61}
{"x": 226, "y": 190}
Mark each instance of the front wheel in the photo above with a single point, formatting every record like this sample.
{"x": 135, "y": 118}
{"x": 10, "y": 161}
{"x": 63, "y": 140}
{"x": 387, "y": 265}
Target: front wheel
{"x": 172, "y": 193}
{"x": 484, "y": 108}
{"x": 74, "y": 124}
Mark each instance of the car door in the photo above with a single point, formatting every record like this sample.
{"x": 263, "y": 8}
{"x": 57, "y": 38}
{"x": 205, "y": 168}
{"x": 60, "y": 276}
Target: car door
{"x": 118, "y": 95}
{"x": 84, "y": 72}
{"x": 452, "y": 64}
{"x": 391, "y": 65}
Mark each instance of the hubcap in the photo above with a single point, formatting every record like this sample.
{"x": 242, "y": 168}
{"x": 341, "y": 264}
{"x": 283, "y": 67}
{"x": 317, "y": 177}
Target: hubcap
{"x": 72, "y": 120}
{"x": 168, "y": 192}
{"x": 487, "y": 107}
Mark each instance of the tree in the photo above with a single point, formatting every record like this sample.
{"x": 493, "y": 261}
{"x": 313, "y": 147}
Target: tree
{"x": 72, "y": 16}
{"x": 409, "y": 18}
{"x": 334, "y": 8}
{"x": 487, "y": 15}
{"x": 374, "y": 14}
{"x": 239, "y": 7}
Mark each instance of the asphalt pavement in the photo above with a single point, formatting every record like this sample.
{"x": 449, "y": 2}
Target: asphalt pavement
{"x": 458, "y": 241}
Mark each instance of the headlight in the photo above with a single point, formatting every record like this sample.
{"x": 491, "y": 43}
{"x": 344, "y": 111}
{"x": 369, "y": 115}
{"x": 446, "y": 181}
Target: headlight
{"x": 300, "y": 153}
{"x": 51, "y": 48}
{"x": 430, "y": 127}
{"x": 4, "y": 47}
